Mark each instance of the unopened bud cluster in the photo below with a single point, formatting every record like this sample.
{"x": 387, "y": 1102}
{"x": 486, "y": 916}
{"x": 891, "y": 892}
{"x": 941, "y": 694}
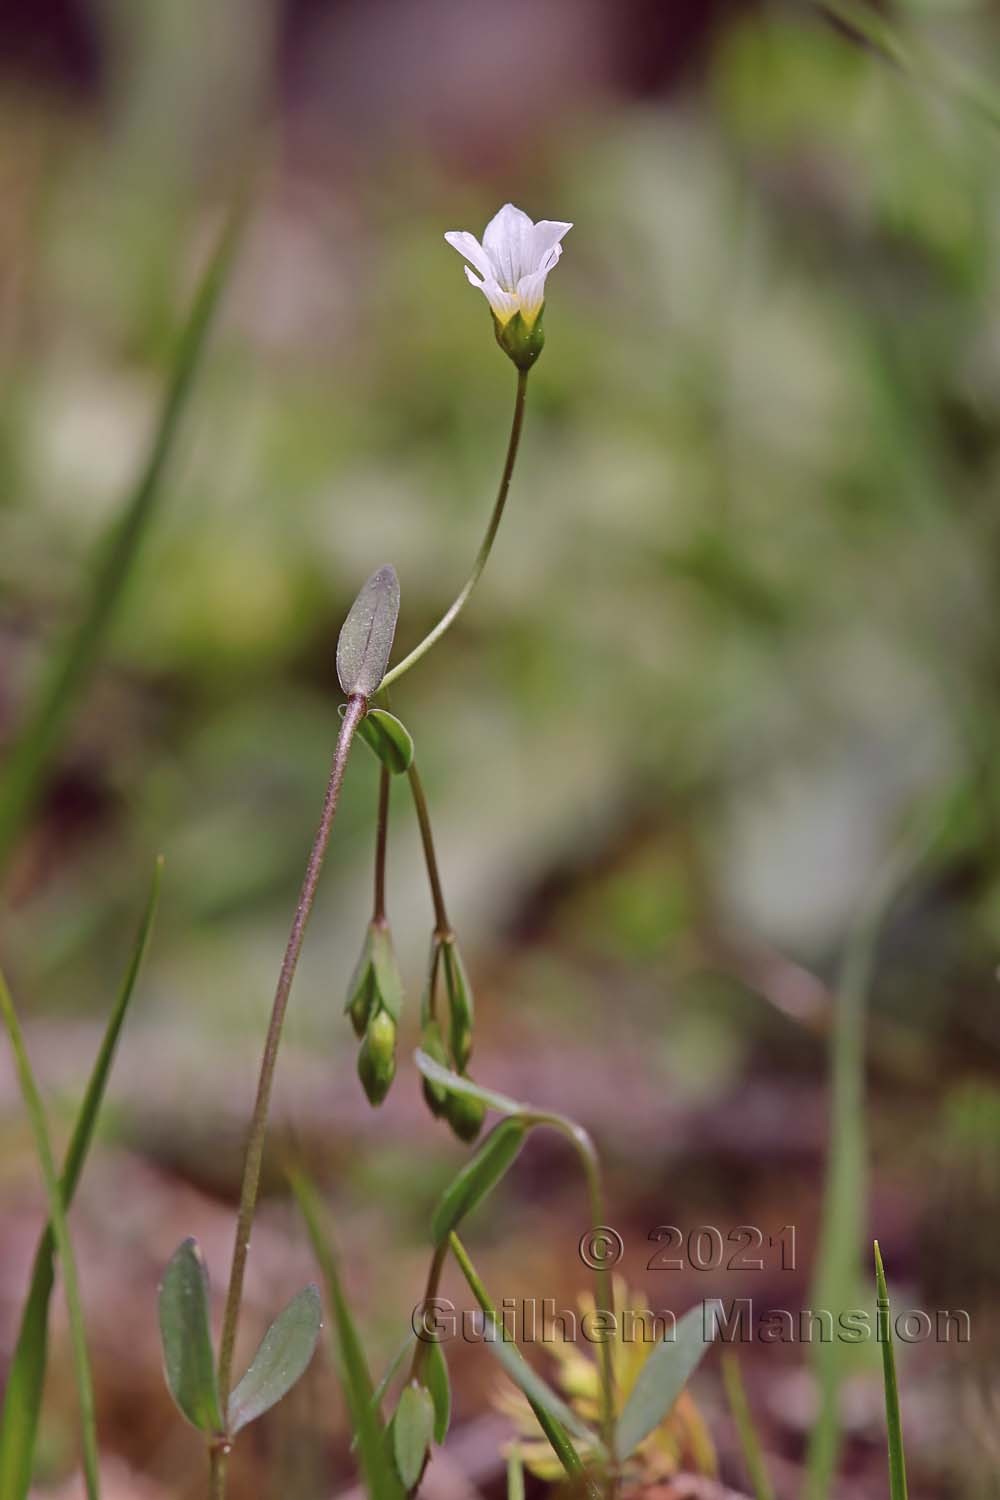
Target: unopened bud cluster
{"x": 374, "y": 1002}
{"x": 450, "y": 1042}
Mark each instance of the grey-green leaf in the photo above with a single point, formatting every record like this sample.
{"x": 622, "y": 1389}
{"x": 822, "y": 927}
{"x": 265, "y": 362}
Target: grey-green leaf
{"x": 412, "y": 1428}
{"x": 283, "y": 1356}
{"x": 390, "y": 740}
{"x": 479, "y": 1176}
{"x": 439, "y": 1385}
{"x": 661, "y": 1380}
{"x": 186, "y": 1335}
{"x": 455, "y": 1084}
{"x": 366, "y": 638}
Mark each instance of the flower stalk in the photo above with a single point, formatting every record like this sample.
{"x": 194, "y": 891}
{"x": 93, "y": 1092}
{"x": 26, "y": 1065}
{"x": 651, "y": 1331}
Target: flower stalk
{"x": 249, "y": 1191}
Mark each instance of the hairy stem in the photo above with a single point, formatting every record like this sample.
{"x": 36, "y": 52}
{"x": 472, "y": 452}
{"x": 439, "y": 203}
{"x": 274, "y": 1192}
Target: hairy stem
{"x": 356, "y": 709}
{"x": 482, "y": 556}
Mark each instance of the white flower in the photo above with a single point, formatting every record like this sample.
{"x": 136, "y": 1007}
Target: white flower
{"x": 513, "y": 262}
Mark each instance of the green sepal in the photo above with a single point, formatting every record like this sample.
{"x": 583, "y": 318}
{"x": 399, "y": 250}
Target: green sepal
{"x": 388, "y": 980}
{"x": 460, "y": 1004}
{"x": 516, "y": 339}
{"x": 432, "y": 1043}
{"x": 388, "y": 739}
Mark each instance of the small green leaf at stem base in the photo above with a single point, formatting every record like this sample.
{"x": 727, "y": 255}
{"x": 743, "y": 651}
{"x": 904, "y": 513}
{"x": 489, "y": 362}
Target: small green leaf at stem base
{"x": 283, "y": 1357}
{"x": 185, "y": 1333}
{"x": 388, "y": 739}
{"x": 365, "y": 640}
{"x": 412, "y": 1430}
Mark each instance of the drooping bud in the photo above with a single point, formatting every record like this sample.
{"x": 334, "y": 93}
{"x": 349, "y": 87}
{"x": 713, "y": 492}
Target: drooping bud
{"x": 376, "y": 983}
{"x": 465, "y": 1115}
{"x": 460, "y": 1004}
{"x": 432, "y": 1042}
{"x": 377, "y": 1057}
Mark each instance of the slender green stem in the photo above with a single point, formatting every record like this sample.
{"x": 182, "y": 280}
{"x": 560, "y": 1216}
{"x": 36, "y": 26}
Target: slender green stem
{"x": 566, "y": 1453}
{"x": 482, "y": 556}
{"x": 736, "y": 1395}
{"x": 217, "y": 1456}
{"x": 442, "y": 927}
{"x": 36, "y": 744}
{"x": 421, "y": 1351}
{"x": 604, "y": 1296}
{"x": 381, "y": 841}
{"x": 60, "y": 1230}
{"x": 356, "y": 708}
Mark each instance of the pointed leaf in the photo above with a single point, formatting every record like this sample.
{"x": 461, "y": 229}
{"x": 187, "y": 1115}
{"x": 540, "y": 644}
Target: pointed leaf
{"x": 455, "y": 1084}
{"x": 412, "y": 1429}
{"x": 661, "y": 1380}
{"x": 478, "y": 1177}
{"x": 283, "y": 1356}
{"x": 381, "y": 1480}
{"x": 439, "y": 1385}
{"x": 26, "y": 1375}
{"x": 366, "y": 638}
{"x": 893, "y": 1422}
{"x": 185, "y": 1333}
{"x": 390, "y": 740}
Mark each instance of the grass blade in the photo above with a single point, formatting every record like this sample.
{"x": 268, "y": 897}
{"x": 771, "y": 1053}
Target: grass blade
{"x": 26, "y": 1378}
{"x": 515, "y": 1474}
{"x": 38, "y": 740}
{"x": 837, "y": 1279}
{"x": 894, "y": 1426}
{"x": 753, "y": 1456}
{"x": 381, "y": 1480}
{"x": 43, "y": 1145}
{"x": 553, "y": 1429}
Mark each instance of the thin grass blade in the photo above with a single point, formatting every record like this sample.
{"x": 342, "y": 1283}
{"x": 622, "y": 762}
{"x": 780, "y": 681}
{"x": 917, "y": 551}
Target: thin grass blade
{"x": 893, "y": 1423}
{"x": 81, "y": 1361}
{"x": 381, "y": 1480}
{"x": 26, "y": 1378}
{"x": 38, "y": 741}
{"x": 753, "y": 1455}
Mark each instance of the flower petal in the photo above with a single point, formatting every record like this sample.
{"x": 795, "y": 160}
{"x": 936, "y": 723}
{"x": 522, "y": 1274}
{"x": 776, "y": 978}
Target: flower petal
{"x": 545, "y": 236}
{"x": 507, "y": 240}
{"x": 531, "y": 295}
{"x": 503, "y": 303}
{"x": 466, "y": 244}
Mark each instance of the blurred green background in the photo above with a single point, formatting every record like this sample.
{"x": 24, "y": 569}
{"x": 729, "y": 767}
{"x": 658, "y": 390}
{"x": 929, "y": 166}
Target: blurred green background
{"x": 739, "y": 631}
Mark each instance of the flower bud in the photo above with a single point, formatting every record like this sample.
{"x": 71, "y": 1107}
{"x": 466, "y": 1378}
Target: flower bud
{"x": 465, "y": 1115}
{"x": 376, "y": 983}
{"x": 377, "y": 1057}
{"x": 431, "y": 1041}
{"x": 460, "y": 1004}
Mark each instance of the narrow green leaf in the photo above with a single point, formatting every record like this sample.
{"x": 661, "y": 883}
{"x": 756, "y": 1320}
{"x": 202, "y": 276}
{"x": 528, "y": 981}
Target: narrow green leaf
{"x": 390, "y": 740}
{"x": 661, "y": 1380}
{"x": 186, "y": 1337}
{"x": 26, "y": 1376}
{"x": 283, "y": 1356}
{"x": 412, "y": 1429}
{"x": 454, "y": 1083}
{"x": 553, "y": 1429}
{"x": 38, "y": 740}
{"x": 381, "y": 1480}
{"x": 893, "y": 1422}
{"x": 753, "y": 1455}
{"x": 540, "y": 1393}
{"x": 478, "y": 1177}
{"x": 366, "y": 637}
{"x": 439, "y": 1385}
{"x": 64, "y": 1245}
{"x": 392, "y": 1369}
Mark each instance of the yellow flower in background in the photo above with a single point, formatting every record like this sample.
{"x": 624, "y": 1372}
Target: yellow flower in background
{"x": 680, "y": 1443}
